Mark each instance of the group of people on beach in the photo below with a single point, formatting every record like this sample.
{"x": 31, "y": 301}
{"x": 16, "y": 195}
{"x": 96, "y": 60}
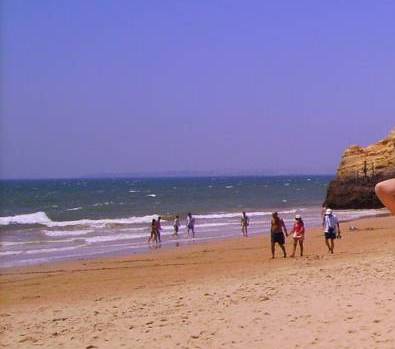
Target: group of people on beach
{"x": 385, "y": 191}
{"x": 156, "y": 228}
{"x": 278, "y": 230}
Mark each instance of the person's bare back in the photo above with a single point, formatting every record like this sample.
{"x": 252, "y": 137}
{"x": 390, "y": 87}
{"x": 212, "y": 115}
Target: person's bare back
{"x": 386, "y": 193}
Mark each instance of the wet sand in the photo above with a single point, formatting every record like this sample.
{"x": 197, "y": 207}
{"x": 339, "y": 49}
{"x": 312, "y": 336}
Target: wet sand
{"x": 219, "y": 294}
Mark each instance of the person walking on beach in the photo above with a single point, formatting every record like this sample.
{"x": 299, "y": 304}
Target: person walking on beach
{"x": 330, "y": 224}
{"x": 385, "y": 191}
{"x": 176, "y": 225}
{"x": 158, "y": 228}
{"x": 153, "y": 236}
{"x": 245, "y": 221}
{"x": 277, "y": 231}
{"x": 190, "y": 225}
{"x": 298, "y": 234}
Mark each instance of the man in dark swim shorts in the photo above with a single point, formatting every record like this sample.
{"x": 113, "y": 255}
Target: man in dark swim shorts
{"x": 277, "y": 231}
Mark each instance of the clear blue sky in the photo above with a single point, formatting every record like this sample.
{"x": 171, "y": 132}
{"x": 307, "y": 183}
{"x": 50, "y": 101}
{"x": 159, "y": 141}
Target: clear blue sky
{"x": 90, "y": 87}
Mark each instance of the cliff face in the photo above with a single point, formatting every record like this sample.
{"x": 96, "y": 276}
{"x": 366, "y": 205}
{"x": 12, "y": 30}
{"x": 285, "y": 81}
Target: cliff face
{"x": 360, "y": 169}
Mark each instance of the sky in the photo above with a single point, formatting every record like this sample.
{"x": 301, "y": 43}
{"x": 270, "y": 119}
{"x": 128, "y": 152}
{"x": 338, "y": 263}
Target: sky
{"x": 119, "y": 87}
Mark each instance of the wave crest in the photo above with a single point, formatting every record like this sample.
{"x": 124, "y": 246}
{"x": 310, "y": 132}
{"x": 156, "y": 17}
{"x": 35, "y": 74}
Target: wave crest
{"x": 43, "y": 219}
{"x": 30, "y": 218}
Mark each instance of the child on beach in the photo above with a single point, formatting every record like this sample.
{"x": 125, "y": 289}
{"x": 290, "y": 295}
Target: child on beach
{"x": 386, "y": 193}
{"x": 176, "y": 225}
{"x": 330, "y": 224}
{"x": 277, "y": 231}
{"x": 154, "y": 236}
{"x": 245, "y": 221}
{"x": 298, "y": 234}
{"x": 191, "y": 225}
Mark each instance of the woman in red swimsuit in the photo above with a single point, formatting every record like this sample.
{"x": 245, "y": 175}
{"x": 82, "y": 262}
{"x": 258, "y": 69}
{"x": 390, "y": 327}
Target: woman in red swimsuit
{"x": 298, "y": 234}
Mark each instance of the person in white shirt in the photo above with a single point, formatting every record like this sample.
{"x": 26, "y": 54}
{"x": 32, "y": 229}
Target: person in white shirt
{"x": 330, "y": 224}
{"x": 190, "y": 225}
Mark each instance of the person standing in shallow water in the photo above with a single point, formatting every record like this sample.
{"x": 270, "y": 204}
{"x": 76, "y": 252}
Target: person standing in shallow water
{"x": 158, "y": 229}
{"x": 176, "y": 225}
{"x": 298, "y": 234}
{"x": 330, "y": 224}
{"x": 154, "y": 236}
{"x": 278, "y": 231}
{"x": 245, "y": 221}
{"x": 190, "y": 225}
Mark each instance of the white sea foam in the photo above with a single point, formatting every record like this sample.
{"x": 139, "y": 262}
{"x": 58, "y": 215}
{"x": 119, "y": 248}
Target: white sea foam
{"x": 43, "y": 219}
{"x": 74, "y": 209}
{"x": 229, "y": 187}
{"x": 13, "y": 243}
{"x": 218, "y": 215}
{"x": 132, "y": 229}
{"x": 59, "y": 233}
{"x": 30, "y": 218}
{"x": 103, "y": 222}
{"x": 50, "y": 250}
{"x": 235, "y": 215}
{"x": 113, "y": 237}
{"x": 213, "y": 225}
{"x": 38, "y": 251}
{"x": 354, "y": 214}
{"x": 152, "y": 195}
{"x": 133, "y": 191}
{"x": 10, "y": 253}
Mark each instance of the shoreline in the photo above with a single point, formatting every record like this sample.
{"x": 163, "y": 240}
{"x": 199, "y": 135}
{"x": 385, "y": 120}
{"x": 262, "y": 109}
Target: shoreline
{"x": 219, "y": 294}
{"x": 175, "y": 243}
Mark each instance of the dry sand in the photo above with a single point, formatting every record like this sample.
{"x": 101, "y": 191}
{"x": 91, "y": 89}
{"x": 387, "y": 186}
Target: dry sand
{"x": 222, "y": 294}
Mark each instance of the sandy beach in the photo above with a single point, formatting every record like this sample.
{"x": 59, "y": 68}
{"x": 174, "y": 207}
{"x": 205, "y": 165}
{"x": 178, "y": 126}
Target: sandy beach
{"x": 220, "y": 294}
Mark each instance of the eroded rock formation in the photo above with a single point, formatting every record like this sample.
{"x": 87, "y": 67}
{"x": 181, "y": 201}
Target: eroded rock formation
{"x": 359, "y": 171}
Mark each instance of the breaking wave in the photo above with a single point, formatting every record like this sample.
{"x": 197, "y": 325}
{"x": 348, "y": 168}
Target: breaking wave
{"x": 42, "y": 219}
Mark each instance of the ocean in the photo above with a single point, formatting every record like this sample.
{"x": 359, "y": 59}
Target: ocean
{"x": 64, "y": 219}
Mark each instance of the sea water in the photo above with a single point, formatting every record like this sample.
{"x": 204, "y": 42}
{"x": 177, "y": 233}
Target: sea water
{"x": 48, "y": 220}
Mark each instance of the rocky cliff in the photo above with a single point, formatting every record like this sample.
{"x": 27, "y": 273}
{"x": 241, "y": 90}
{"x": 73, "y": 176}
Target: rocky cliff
{"x": 359, "y": 171}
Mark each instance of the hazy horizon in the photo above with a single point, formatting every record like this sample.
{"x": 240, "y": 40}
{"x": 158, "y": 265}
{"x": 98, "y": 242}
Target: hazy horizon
{"x": 176, "y": 174}
{"x": 154, "y": 87}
